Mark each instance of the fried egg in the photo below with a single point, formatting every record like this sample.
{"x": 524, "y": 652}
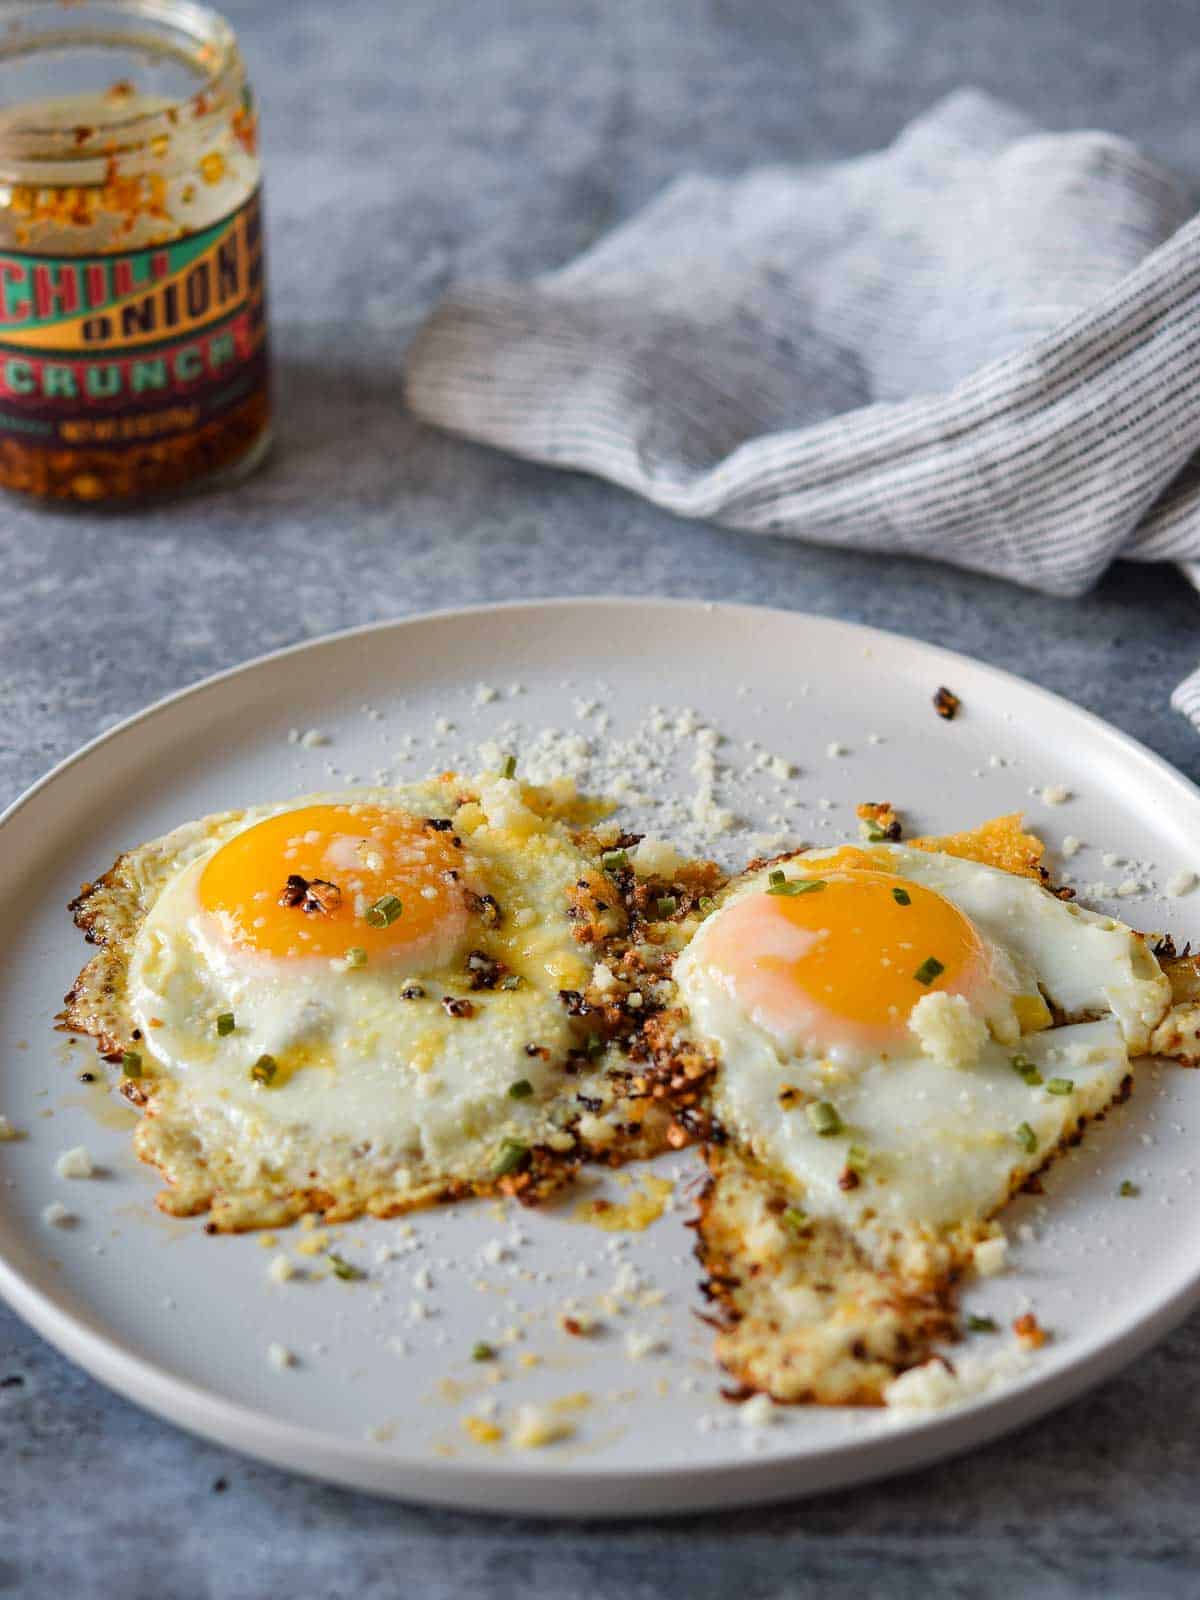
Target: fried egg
{"x": 361, "y": 1000}
{"x": 904, "y": 1037}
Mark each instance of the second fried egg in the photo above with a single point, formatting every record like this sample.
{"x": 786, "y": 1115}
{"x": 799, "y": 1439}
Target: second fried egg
{"x": 904, "y": 1035}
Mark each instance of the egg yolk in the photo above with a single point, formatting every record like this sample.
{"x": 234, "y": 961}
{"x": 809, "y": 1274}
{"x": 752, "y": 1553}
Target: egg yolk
{"x": 329, "y": 878}
{"x": 846, "y": 959}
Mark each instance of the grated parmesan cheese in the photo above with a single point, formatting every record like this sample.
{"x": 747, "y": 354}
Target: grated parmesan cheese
{"x": 75, "y": 1163}
{"x": 537, "y": 1426}
{"x": 936, "y": 1386}
{"x": 990, "y": 1256}
{"x": 948, "y": 1030}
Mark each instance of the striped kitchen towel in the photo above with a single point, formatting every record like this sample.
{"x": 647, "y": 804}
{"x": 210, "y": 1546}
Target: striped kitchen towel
{"x": 981, "y": 343}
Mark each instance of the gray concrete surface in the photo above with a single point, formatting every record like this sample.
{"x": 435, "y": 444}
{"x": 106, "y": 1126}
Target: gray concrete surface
{"x": 408, "y": 145}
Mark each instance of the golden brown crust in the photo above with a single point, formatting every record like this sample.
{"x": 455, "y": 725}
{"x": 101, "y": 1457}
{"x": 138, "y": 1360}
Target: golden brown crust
{"x": 803, "y": 1313}
{"x": 1001, "y": 842}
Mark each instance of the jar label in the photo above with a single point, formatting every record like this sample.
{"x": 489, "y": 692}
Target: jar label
{"x": 136, "y": 346}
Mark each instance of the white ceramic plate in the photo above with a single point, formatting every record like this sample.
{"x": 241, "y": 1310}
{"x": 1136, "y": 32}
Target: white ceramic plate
{"x": 181, "y": 1322}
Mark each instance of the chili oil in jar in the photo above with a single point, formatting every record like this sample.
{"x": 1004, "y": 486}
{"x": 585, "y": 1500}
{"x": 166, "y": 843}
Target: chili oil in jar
{"x": 133, "y": 335}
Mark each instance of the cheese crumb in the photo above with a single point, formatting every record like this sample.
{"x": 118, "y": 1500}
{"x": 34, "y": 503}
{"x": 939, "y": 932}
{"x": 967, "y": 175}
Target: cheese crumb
{"x": 1128, "y": 887}
{"x": 656, "y": 858}
{"x": 1181, "y": 883}
{"x": 56, "y": 1215}
{"x": 757, "y": 1412}
{"x": 7, "y": 1132}
{"x": 1054, "y": 794}
{"x": 640, "y": 1344}
{"x": 75, "y": 1163}
{"x": 949, "y": 1031}
{"x": 834, "y": 749}
{"x": 602, "y": 977}
{"x": 281, "y": 1269}
{"x": 536, "y": 1426}
{"x": 485, "y": 694}
{"x": 280, "y": 1356}
{"x": 934, "y": 1387}
{"x": 313, "y": 738}
{"x": 1071, "y": 846}
{"x": 990, "y": 1256}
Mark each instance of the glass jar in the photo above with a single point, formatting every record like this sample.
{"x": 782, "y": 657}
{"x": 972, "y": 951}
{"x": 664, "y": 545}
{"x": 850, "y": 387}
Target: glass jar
{"x": 133, "y": 335}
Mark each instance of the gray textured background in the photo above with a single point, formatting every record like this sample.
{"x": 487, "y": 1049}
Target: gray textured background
{"x": 409, "y": 144}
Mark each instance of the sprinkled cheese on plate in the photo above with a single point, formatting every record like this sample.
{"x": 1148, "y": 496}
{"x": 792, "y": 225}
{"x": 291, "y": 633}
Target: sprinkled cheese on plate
{"x": 280, "y": 1356}
{"x": 75, "y": 1163}
{"x": 990, "y": 1256}
{"x": 1071, "y": 846}
{"x": 56, "y": 1215}
{"x": 1054, "y": 794}
{"x": 7, "y": 1132}
{"x": 281, "y": 1269}
{"x": 536, "y": 1426}
{"x": 935, "y": 1386}
{"x": 758, "y": 1412}
{"x": 1181, "y": 883}
{"x": 640, "y": 1343}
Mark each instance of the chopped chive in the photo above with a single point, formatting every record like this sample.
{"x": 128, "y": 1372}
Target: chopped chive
{"x": 385, "y": 911}
{"x": 795, "y": 1220}
{"x": 1024, "y": 1068}
{"x": 929, "y": 969}
{"x": 981, "y": 1324}
{"x": 513, "y": 1155}
{"x": 594, "y": 1046}
{"x": 131, "y": 1063}
{"x": 1128, "y": 1190}
{"x": 521, "y": 1090}
{"x": 1060, "y": 1086}
{"x": 857, "y": 1159}
{"x": 902, "y": 897}
{"x": 614, "y": 860}
{"x": 344, "y": 1269}
{"x": 792, "y": 886}
{"x": 483, "y": 1351}
{"x": 824, "y": 1118}
{"x": 513, "y": 981}
{"x": 508, "y": 770}
{"x": 356, "y": 956}
{"x": 706, "y": 905}
{"x": 777, "y": 877}
{"x": 876, "y": 834}
{"x": 667, "y": 905}
{"x": 1026, "y": 1137}
{"x": 225, "y": 1023}
{"x": 264, "y": 1069}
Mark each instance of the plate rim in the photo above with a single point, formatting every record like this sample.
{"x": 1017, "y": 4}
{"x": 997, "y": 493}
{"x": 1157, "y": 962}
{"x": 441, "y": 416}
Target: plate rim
{"x": 505, "y": 1486}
